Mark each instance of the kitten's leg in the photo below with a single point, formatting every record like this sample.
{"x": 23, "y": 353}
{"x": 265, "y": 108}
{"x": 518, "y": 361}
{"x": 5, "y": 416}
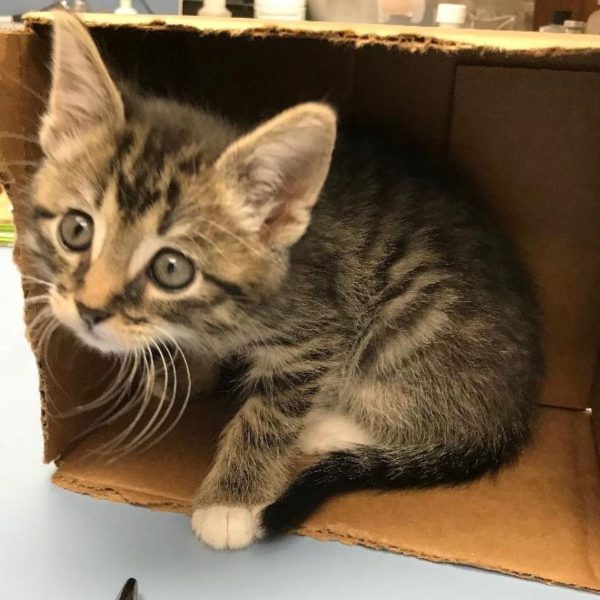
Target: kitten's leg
{"x": 251, "y": 469}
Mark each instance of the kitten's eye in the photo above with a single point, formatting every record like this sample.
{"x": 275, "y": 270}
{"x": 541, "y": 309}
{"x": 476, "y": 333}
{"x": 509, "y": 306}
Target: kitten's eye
{"x": 76, "y": 231}
{"x": 172, "y": 270}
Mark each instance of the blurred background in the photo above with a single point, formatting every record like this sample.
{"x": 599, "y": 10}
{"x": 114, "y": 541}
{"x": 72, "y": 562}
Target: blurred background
{"x": 10, "y": 7}
{"x": 549, "y": 16}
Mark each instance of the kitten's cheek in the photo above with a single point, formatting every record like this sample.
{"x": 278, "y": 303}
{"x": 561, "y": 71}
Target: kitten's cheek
{"x": 65, "y": 311}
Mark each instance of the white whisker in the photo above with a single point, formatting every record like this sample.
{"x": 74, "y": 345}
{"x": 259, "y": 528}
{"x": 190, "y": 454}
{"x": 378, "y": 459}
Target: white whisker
{"x": 40, "y": 317}
{"x": 19, "y": 136}
{"x": 45, "y": 345}
{"x": 211, "y": 242}
{"x": 114, "y": 390}
{"x": 186, "y": 398}
{"x": 37, "y": 299}
{"x": 230, "y": 233}
{"x": 141, "y": 396}
{"x": 21, "y": 163}
{"x": 141, "y": 438}
{"x": 27, "y": 88}
{"x": 32, "y": 279}
{"x": 113, "y": 413}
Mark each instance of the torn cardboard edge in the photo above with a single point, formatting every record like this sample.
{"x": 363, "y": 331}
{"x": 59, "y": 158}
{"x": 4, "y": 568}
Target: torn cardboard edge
{"x": 353, "y": 538}
{"x": 124, "y": 496}
{"x": 416, "y": 38}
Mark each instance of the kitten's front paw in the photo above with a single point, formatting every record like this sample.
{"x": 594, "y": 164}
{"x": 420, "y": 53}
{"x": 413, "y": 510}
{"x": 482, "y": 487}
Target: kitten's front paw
{"x": 227, "y": 527}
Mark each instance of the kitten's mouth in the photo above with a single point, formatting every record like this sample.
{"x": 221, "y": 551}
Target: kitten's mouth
{"x": 100, "y": 338}
{"x": 104, "y": 337}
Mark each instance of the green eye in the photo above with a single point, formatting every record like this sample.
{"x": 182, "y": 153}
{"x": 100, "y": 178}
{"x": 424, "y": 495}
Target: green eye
{"x": 172, "y": 270}
{"x": 76, "y": 231}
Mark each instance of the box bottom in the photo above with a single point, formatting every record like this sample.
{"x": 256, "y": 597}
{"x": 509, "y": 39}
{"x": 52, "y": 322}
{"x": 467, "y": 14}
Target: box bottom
{"x": 538, "y": 518}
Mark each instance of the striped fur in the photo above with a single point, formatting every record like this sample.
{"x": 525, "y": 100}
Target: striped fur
{"x": 388, "y": 329}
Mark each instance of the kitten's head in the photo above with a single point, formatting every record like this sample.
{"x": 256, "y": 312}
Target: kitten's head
{"x": 152, "y": 220}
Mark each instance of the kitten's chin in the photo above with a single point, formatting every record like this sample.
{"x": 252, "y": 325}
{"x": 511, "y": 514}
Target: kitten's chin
{"x": 101, "y": 338}
{"x": 102, "y": 343}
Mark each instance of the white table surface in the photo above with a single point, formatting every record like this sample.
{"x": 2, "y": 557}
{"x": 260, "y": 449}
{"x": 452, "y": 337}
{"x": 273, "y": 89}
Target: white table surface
{"x": 56, "y": 545}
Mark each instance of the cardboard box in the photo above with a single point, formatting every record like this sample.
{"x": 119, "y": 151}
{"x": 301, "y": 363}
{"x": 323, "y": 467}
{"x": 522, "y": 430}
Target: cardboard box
{"x": 521, "y": 113}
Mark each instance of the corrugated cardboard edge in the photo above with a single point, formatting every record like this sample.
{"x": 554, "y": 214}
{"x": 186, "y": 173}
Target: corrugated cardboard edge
{"x": 350, "y": 537}
{"x": 123, "y": 496}
{"x": 414, "y": 39}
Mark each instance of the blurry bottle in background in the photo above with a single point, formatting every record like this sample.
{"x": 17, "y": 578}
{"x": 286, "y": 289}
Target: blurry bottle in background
{"x": 346, "y": 11}
{"x": 125, "y": 8}
{"x": 397, "y": 12}
{"x": 480, "y": 14}
{"x": 557, "y": 21}
{"x": 451, "y": 15}
{"x": 500, "y": 14}
{"x": 574, "y": 26}
{"x": 214, "y": 8}
{"x": 403, "y": 12}
{"x": 280, "y": 10}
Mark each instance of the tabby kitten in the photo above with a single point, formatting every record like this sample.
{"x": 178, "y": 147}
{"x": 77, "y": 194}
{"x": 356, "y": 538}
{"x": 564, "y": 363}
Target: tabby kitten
{"x": 386, "y": 328}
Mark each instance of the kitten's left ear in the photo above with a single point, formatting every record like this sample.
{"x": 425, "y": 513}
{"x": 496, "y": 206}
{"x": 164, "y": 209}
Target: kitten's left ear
{"x": 82, "y": 96}
{"x": 273, "y": 176}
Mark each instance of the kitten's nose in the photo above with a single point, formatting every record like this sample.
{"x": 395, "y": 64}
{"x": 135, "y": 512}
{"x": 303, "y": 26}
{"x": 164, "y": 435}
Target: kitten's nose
{"x": 91, "y": 316}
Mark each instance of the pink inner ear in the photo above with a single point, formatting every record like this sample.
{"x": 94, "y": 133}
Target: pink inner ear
{"x": 276, "y": 222}
{"x": 283, "y": 216}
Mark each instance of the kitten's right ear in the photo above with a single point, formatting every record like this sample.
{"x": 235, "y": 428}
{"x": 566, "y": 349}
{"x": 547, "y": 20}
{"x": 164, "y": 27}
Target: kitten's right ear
{"x": 82, "y": 96}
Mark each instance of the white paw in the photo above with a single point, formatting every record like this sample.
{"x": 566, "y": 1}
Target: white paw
{"x": 227, "y": 527}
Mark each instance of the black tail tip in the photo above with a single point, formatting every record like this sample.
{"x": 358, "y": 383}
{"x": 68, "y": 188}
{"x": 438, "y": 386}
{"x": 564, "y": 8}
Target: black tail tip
{"x": 277, "y": 520}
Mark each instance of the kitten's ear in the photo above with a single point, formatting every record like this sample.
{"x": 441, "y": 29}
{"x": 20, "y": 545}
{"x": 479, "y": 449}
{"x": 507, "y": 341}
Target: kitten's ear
{"x": 82, "y": 95}
{"x": 273, "y": 175}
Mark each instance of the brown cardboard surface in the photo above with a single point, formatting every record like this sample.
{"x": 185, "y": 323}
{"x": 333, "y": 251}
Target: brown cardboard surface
{"x": 539, "y": 518}
{"x": 523, "y": 120}
{"x": 62, "y": 392}
{"x": 14, "y": 122}
{"x": 596, "y": 412}
{"x": 520, "y": 143}
{"x": 164, "y": 477}
{"x": 406, "y": 104}
{"x": 596, "y": 425}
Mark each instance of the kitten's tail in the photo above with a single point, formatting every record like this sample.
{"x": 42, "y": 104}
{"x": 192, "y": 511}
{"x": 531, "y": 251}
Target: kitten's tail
{"x": 381, "y": 468}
